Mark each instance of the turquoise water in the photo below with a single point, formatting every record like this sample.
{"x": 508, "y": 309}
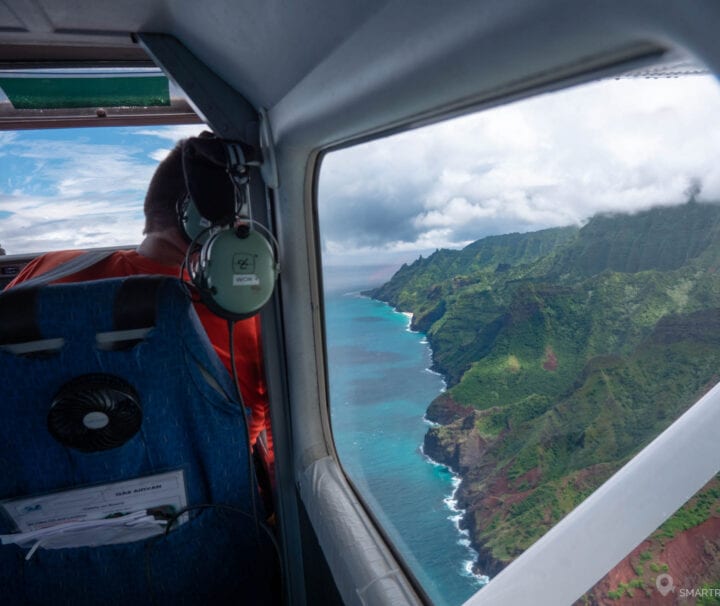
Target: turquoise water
{"x": 380, "y": 387}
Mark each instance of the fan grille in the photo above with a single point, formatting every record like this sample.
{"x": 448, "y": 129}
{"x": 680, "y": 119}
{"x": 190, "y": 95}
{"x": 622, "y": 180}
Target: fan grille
{"x": 95, "y": 412}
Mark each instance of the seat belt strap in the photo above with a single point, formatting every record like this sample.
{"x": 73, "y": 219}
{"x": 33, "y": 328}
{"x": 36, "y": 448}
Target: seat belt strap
{"x": 73, "y": 266}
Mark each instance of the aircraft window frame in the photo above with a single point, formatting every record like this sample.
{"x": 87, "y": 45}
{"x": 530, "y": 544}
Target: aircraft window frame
{"x": 678, "y": 67}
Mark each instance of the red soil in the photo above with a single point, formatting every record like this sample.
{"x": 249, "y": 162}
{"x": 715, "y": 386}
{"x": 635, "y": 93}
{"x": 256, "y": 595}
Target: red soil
{"x": 692, "y": 558}
{"x": 551, "y": 361}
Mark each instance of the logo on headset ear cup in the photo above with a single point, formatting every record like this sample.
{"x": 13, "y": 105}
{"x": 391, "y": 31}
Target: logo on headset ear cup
{"x": 236, "y": 274}
{"x": 192, "y": 223}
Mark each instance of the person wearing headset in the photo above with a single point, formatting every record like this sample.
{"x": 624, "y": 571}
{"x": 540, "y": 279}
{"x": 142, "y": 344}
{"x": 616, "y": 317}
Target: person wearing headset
{"x": 162, "y": 252}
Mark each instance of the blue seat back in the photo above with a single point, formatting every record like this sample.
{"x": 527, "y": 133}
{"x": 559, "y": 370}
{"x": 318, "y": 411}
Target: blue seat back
{"x": 190, "y": 422}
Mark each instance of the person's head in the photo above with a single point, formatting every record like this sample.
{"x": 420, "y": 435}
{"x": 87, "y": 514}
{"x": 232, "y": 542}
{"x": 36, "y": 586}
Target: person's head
{"x": 166, "y": 189}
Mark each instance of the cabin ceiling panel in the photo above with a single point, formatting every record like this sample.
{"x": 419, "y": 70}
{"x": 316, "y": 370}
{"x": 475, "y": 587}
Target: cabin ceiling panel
{"x": 408, "y": 66}
{"x": 262, "y": 49}
{"x": 9, "y": 21}
{"x": 332, "y": 69}
{"x": 265, "y": 51}
{"x": 84, "y": 16}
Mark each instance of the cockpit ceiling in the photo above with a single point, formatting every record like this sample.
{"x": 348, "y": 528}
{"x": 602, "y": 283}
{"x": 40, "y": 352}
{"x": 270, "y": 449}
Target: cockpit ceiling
{"x": 271, "y": 45}
{"x": 329, "y": 71}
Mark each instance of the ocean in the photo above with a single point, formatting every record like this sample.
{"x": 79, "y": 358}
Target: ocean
{"x": 380, "y": 387}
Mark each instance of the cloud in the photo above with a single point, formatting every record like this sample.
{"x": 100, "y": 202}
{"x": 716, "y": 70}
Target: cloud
{"x": 78, "y": 188}
{"x": 37, "y": 224}
{"x": 159, "y": 154}
{"x": 59, "y": 192}
{"x": 556, "y": 159}
{"x": 173, "y": 133}
{"x": 6, "y": 137}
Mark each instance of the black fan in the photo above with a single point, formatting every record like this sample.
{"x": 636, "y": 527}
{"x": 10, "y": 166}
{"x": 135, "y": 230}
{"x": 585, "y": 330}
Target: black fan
{"x": 95, "y": 412}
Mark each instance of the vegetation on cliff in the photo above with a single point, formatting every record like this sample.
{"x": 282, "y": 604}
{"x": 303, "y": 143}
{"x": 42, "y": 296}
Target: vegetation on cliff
{"x": 566, "y": 351}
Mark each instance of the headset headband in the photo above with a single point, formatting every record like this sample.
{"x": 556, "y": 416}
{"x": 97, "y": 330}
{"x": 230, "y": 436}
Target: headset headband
{"x": 214, "y": 169}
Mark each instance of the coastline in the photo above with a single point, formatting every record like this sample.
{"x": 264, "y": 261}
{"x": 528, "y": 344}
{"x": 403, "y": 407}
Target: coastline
{"x": 457, "y": 514}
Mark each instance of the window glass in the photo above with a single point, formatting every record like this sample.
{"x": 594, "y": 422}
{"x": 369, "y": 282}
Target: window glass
{"x": 78, "y": 188}
{"x": 518, "y": 301}
{"x": 34, "y": 96}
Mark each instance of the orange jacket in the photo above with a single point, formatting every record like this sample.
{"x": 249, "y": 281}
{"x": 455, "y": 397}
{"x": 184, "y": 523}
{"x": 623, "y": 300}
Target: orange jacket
{"x": 248, "y": 351}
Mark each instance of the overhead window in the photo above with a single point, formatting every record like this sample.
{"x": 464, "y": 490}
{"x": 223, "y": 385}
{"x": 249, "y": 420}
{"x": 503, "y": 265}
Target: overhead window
{"x": 54, "y": 89}
{"x": 92, "y": 96}
{"x": 517, "y": 302}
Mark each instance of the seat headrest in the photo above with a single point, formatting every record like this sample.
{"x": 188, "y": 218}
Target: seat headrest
{"x": 121, "y": 309}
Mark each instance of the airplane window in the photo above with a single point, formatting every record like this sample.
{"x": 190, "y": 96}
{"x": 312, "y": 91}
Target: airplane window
{"x": 33, "y": 96}
{"x": 516, "y": 302}
{"x": 78, "y": 187}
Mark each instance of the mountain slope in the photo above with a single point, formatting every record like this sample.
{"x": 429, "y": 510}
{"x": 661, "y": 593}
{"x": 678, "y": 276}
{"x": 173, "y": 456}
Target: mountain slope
{"x": 565, "y": 351}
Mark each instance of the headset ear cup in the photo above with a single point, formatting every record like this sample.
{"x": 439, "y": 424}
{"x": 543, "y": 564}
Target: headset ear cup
{"x": 236, "y": 273}
{"x": 192, "y": 223}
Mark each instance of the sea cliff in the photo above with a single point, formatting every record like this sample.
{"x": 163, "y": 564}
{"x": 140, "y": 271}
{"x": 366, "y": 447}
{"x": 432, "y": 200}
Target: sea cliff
{"x": 565, "y": 351}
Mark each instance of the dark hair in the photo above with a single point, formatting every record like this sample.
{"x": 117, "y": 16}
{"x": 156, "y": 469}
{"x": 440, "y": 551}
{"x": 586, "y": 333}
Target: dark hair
{"x": 166, "y": 189}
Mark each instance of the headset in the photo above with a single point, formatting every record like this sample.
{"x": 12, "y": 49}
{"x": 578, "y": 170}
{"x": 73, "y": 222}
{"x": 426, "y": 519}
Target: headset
{"x": 237, "y": 266}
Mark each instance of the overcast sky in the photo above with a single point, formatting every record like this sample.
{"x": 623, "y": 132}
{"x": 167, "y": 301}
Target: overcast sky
{"x": 615, "y": 145}
{"x": 557, "y": 159}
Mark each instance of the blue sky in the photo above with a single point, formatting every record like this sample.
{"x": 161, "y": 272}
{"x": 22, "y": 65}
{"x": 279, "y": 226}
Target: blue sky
{"x": 78, "y": 188}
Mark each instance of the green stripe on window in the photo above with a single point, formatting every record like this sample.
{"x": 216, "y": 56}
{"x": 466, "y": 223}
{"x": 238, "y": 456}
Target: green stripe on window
{"x": 63, "y": 93}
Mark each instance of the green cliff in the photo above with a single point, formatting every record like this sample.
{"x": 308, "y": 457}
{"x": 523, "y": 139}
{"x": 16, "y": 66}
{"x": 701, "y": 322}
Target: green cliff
{"x": 566, "y": 351}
